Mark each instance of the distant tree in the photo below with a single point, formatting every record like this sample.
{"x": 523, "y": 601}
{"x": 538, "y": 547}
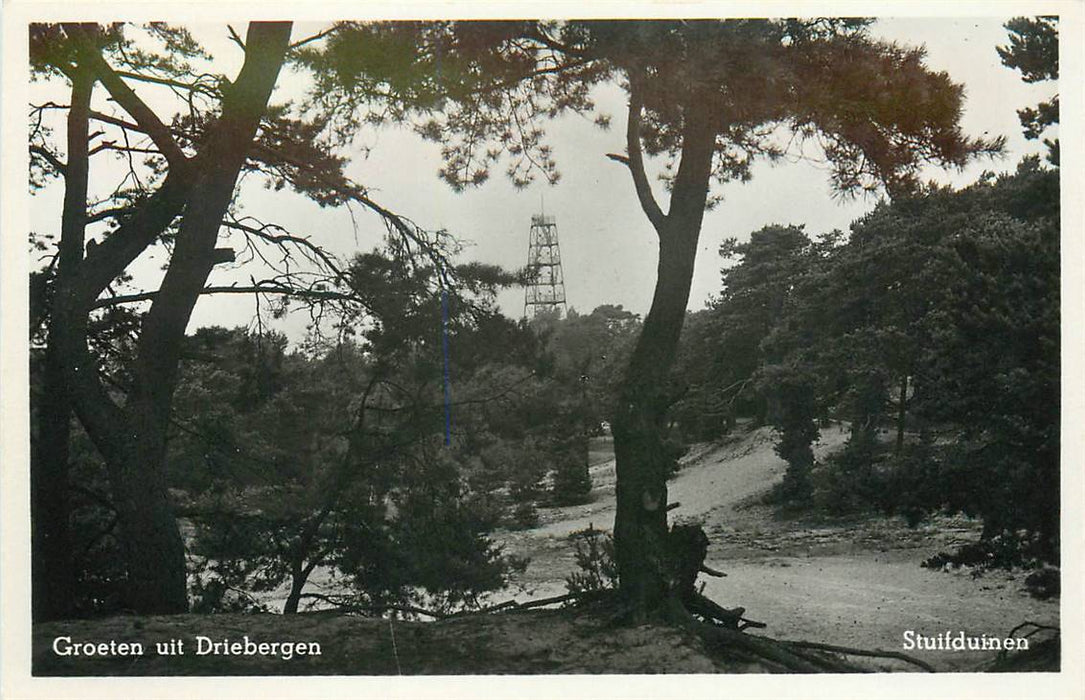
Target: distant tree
{"x": 722, "y": 352}
{"x": 572, "y": 480}
{"x": 1034, "y": 51}
{"x": 590, "y": 351}
{"x": 702, "y": 411}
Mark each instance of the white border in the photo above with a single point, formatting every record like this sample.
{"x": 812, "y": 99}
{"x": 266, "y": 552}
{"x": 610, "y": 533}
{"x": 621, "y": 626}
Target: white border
{"x": 15, "y": 681}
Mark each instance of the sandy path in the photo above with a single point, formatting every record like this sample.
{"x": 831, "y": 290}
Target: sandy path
{"x": 869, "y": 601}
{"x": 850, "y": 584}
{"x": 713, "y": 478}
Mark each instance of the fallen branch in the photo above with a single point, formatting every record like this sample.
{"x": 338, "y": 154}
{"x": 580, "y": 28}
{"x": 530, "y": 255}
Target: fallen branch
{"x": 852, "y": 651}
{"x": 1038, "y": 627}
{"x": 344, "y": 606}
{"x": 541, "y": 602}
{"x": 698, "y": 604}
{"x": 764, "y": 648}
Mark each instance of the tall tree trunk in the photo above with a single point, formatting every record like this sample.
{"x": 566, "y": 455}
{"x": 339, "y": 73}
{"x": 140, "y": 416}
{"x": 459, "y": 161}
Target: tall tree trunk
{"x": 132, "y": 438}
{"x": 52, "y": 563}
{"x": 151, "y": 541}
{"x": 156, "y": 554}
{"x": 642, "y": 461}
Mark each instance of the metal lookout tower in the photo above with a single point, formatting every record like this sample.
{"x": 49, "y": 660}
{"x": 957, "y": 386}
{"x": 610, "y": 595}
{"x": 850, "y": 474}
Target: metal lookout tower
{"x": 546, "y": 290}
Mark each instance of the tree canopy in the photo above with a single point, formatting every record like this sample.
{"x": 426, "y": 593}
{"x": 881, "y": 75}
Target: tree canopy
{"x": 1034, "y": 51}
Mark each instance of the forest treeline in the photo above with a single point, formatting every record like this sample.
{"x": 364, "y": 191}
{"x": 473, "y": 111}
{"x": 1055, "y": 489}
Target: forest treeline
{"x": 931, "y": 330}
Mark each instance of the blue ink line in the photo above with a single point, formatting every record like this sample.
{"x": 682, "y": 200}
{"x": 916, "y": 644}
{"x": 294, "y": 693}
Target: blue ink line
{"x": 448, "y": 381}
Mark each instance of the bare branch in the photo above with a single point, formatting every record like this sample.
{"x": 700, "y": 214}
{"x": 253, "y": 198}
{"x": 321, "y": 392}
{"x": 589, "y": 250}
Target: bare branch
{"x": 635, "y": 160}
{"x": 196, "y": 86}
{"x": 126, "y": 97}
{"x": 235, "y": 38}
{"x": 253, "y": 289}
{"x": 852, "y": 651}
{"x": 115, "y": 121}
{"x": 316, "y": 37}
{"x": 111, "y": 146}
{"x": 264, "y": 232}
{"x": 408, "y": 231}
{"x": 347, "y": 606}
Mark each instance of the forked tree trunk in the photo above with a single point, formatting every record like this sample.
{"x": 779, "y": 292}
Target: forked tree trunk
{"x": 642, "y": 462}
{"x": 132, "y": 437}
{"x": 299, "y": 576}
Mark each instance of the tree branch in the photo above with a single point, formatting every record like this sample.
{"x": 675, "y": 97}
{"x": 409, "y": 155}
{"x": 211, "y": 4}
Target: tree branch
{"x": 536, "y": 34}
{"x": 52, "y": 159}
{"x": 125, "y": 96}
{"x": 111, "y": 213}
{"x": 635, "y": 161}
{"x": 351, "y": 607}
{"x": 115, "y": 121}
{"x": 113, "y": 255}
{"x": 852, "y": 651}
{"x": 193, "y": 87}
{"x": 316, "y": 37}
{"x": 235, "y": 38}
{"x": 111, "y": 146}
{"x": 263, "y": 232}
{"x": 251, "y": 289}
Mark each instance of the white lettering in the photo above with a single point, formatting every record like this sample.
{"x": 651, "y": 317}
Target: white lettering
{"x": 67, "y": 646}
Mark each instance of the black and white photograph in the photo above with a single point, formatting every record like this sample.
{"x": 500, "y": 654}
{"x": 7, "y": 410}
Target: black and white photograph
{"x": 444, "y": 350}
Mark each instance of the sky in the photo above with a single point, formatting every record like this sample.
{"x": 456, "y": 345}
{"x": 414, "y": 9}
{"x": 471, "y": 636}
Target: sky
{"x": 608, "y": 247}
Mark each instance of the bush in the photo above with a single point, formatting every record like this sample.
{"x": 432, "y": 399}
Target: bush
{"x": 1044, "y": 583}
{"x": 572, "y": 481}
{"x": 1005, "y": 550}
{"x": 572, "y": 484}
{"x": 524, "y": 516}
{"x": 595, "y": 560}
